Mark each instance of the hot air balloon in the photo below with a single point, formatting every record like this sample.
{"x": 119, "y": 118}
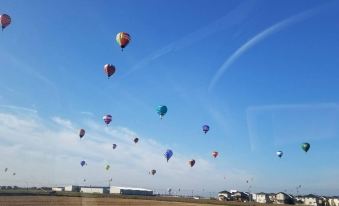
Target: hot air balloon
{"x": 215, "y": 154}
{"x": 123, "y": 39}
{"x": 115, "y": 146}
{"x": 191, "y": 162}
{"x": 305, "y": 146}
{"x": 81, "y": 133}
{"x": 84, "y": 180}
{"x": 6, "y": 169}
{"x": 280, "y": 154}
{"x": 14, "y": 173}
{"x": 82, "y": 163}
{"x": 109, "y": 69}
{"x": 205, "y": 128}
{"x": 107, "y": 118}
{"x": 136, "y": 140}
{"x": 5, "y": 21}
{"x": 107, "y": 167}
{"x": 152, "y": 172}
{"x": 162, "y": 110}
{"x": 168, "y": 154}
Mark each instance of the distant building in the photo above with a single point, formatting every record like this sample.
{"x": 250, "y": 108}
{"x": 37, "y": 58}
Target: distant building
{"x": 72, "y": 188}
{"x": 262, "y": 198}
{"x": 95, "y": 190}
{"x": 240, "y": 196}
{"x": 271, "y": 197}
{"x": 333, "y": 201}
{"x": 313, "y": 200}
{"x": 130, "y": 191}
{"x": 283, "y": 198}
{"x": 224, "y": 196}
{"x": 58, "y": 189}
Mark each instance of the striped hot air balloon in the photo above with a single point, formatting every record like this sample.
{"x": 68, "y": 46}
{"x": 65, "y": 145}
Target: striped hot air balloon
{"x": 107, "y": 118}
{"x": 123, "y": 39}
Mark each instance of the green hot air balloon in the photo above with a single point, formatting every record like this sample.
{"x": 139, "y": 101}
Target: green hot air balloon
{"x": 305, "y": 146}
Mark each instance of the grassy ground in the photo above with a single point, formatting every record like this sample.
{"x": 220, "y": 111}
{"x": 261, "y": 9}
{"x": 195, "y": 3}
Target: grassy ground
{"x": 77, "y": 201}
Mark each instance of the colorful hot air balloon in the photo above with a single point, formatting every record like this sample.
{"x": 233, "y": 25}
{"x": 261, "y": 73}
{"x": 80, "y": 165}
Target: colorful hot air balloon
{"x": 280, "y": 154}
{"x": 5, "y": 21}
{"x": 305, "y": 146}
{"x": 81, "y": 133}
{"x": 191, "y": 162}
{"x": 109, "y": 70}
{"x": 82, "y": 163}
{"x": 205, "y": 128}
{"x": 152, "y": 172}
{"x": 115, "y": 146}
{"x": 168, "y": 154}
{"x": 107, "y": 118}
{"x": 215, "y": 154}
{"x": 107, "y": 167}
{"x": 123, "y": 39}
{"x": 136, "y": 140}
{"x": 162, "y": 110}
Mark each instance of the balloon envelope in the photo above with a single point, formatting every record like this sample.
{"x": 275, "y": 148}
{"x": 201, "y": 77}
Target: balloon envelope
{"x": 5, "y": 20}
{"x": 305, "y": 146}
{"x": 205, "y": 128}
{"x": 82, "y": 163}
{"x": 162, "y": 110}
{"x": 168, "y": 154}
{"x": 107, "y": 167}
{"x": 115, "y": 146}
{"x": 109, "y": 69}
{"x": 280, "y": 154}
{"x": 191, "y": 162}
{"x": 123, "y": 39}
{"x": 136, "y": 140}
{"x": 153, "y": 172}
{"x": 107, "y": 118}
{"x": 82, "y": 133}
{"x": 215, "y": 154}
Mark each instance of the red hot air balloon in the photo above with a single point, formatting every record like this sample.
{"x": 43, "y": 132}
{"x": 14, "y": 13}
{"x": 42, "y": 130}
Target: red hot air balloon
{"x": 109, "y": 69}
{"x": 123, "y": 39}
{"x": 191, "y": 162}
{"x": 5, "y": 20}
{"x": 81, "y": 133}
{"x": 107, "y": 118}
{"x": 215, "y": 154}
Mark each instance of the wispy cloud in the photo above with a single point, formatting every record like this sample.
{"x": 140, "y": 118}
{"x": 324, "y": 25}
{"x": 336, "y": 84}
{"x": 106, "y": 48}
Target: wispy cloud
{"x": 258, "y": 38}
{"x": 41, "y": 153}
{"x": 235, "y": 17}
{"x": 13, "y": 107}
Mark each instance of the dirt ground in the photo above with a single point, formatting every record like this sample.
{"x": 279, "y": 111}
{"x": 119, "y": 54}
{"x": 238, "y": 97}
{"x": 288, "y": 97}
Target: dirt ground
{"x": 77, "y": 201}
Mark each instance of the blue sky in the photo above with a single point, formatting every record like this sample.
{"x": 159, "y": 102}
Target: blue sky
{"x": 263, "y": 75}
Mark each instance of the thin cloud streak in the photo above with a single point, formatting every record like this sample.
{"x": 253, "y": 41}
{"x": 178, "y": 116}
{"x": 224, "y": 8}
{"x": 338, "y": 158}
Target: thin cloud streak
{"x": 234, "y": 17}
{"x": 257, "y": 39}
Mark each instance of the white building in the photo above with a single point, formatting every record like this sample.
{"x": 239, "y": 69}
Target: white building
{"x": 58, "y": 189}
{"x": 262, "y": 198}
{"x": 96, "y": 190}
{"x": 283, "y": 198}
{"x": 72, "y": 188}
{"x": 333, "y": 201}
{"x": 224, "y": 196}
{"x": 313, "y": 200}
{"x": 130, "y": 191}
